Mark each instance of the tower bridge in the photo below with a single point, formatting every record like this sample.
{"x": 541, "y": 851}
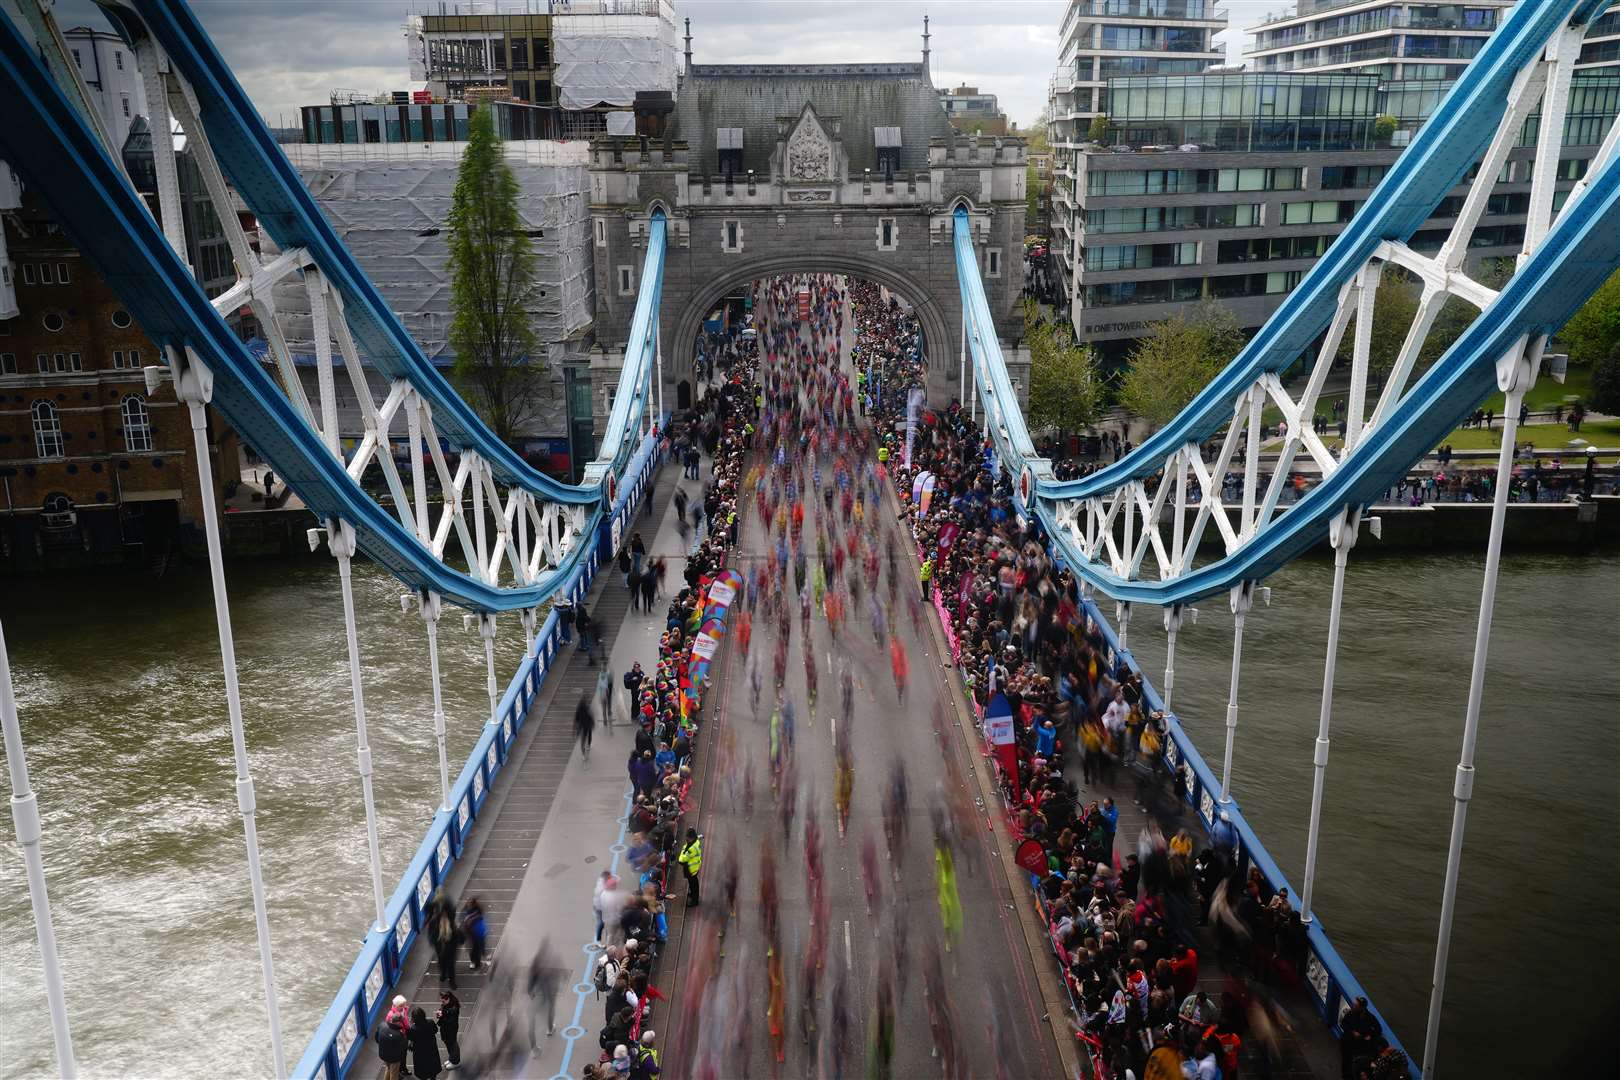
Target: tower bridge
{"x": 761, "y": 170}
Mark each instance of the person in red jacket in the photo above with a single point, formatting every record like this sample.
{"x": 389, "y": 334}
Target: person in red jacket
{"x": 1184, "y": 971}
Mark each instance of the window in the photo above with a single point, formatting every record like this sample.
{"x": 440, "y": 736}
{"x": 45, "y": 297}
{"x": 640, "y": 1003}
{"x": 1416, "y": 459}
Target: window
{"x": 137, "y": 425}
{"x": 47, "y": 430}
{"x": 993, "y": 262}
{"x": 46, "y": 276}
{"x": 731, "y": 236}
{"x": 53, "y": 321}
{"x": 887, "y": 236}
{"x": 59, "y": 363}
{"x": 43, "y": 362}
{"x": 8, "y": 363}
{"x": 601, "y": 233}
{"x": 118, "y": 59}
{"x": 76, "y": 61}
{"x": 62, "y": 274}
{"x": 497, "y": 52}
{"x": 28, "y": 273}
{"x": 121, "y": 319}
{"x": 125, "y": 102}
{"x": 627, "y": 282}
{"x": 520, "y": 54}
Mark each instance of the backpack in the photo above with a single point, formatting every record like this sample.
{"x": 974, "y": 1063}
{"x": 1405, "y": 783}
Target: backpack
{"x": 607, "y": 972}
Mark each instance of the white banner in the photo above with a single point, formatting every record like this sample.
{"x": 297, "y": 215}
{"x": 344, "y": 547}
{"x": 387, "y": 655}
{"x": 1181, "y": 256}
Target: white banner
{"x": 721, "y": 593}
{"x": 704, "y": 646}
{"x": 999, "y": 730}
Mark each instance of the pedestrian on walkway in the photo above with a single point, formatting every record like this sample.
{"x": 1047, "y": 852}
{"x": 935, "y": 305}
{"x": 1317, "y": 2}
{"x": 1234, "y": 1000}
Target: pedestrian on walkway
{"x": 604, "y": 694}
{"x": 449, "y": 1020}
{"x": 638, "y": 552}
{"x": 584, "y": 724}
{"x": 544, "y": 977}
{"x": 691, "y": 860}
{"x": 604, "y": 883}
{"x": 391, "y": 1044}
{"x": 476, "y": 931}
{"x": 425, "y": 1063}
{"x": 643, "y": 773}
{"x": 445, "y": 937}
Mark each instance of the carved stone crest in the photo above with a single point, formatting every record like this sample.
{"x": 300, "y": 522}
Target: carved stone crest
{"x": 808, "y": 156}
{"x": 813, "y": 195}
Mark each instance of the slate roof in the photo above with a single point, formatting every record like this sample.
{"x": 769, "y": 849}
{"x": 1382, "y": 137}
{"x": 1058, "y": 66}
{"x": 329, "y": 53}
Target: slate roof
{"x": 862, "y": 96}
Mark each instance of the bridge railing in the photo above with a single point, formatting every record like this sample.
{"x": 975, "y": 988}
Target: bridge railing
{"x": 377, "y": 970}
{"x": 1332, "y": 987}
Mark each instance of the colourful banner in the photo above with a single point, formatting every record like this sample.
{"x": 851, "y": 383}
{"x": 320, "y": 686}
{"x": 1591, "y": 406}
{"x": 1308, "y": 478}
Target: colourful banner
{"x": 711, "y": 628}
{"x": 998, "y": 732}
{"x": 927, "y": 496}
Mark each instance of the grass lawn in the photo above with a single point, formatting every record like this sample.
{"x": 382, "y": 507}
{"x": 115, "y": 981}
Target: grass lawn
{"x": 1604, "y": 434}
{"x": 1546, "y": 393}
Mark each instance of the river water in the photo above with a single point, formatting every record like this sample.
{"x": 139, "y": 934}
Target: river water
{"x": 122, "y": 707}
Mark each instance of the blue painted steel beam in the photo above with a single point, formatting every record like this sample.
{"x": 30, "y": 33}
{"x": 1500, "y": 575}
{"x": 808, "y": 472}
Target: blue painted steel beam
{"x": 47, "y": 141}
{"x": 270, "y": 185}
{"x": 1452, "y": 140}
{"x": 1578, "y": 255}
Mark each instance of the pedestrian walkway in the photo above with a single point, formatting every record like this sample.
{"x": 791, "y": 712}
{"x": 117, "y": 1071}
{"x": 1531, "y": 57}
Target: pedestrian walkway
{"x": 556, "y": 820}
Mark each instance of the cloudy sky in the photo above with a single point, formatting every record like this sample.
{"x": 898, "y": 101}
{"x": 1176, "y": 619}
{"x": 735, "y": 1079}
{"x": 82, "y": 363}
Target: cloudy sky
{"x": 290, "y": 53}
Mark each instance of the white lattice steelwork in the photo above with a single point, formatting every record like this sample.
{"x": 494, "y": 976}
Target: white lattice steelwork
{"x": 1114, "y": 530}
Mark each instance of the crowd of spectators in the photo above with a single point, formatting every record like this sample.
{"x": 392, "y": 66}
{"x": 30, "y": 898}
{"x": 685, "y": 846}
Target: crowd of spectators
{"x": 631, "y": 922}
{"x": 1125, "y": 918}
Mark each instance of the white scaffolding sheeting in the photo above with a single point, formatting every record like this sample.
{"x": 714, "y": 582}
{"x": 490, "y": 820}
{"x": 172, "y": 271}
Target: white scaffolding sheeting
{"x": 607, "y": 58}
{"x": 393, "y": 217}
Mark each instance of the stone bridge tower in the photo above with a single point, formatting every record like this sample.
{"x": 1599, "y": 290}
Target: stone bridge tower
{"x": 842, "y": 168}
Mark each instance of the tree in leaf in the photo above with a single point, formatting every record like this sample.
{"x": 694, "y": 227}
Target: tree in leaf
{"x": 1066, "y": 386}
{"x": 1177, "y": 358}
{"x": 491, "y": 280}
{"x": 1395, "y": 308}
{"x": 1592, "y": 332}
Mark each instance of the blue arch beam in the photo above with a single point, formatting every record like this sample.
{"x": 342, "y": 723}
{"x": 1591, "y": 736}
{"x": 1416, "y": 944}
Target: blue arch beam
{"x": 47, "y": 141}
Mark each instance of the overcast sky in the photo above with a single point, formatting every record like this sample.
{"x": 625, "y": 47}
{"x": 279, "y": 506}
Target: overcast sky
{"x": 290, "y": 53}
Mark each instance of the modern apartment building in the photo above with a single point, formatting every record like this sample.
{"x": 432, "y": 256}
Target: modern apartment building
{"x": 972, "y": 112}
{"x": 1396, "y": 41}
{"x": 1230, "y": 186}
{"x": 1100, "y": 40}
{"x": 1105, "y": 39}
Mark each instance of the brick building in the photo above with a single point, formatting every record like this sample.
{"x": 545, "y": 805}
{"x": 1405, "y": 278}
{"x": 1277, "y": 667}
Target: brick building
{"x": 93, "y": 469}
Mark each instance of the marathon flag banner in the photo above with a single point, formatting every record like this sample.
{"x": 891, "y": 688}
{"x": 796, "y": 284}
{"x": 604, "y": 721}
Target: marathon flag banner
{"x": 947, "y": 536}
{"x": 711, "y": 630}
{"x": 914, "y": 402}
{"x": 998, "y": 731}
{"x": 1032, "y": 857}
{"x": 927, "y": 497}
{"x": 917, "y": 486}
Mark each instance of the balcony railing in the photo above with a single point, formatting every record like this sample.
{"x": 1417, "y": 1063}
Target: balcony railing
{"x": 1375, "y": 26}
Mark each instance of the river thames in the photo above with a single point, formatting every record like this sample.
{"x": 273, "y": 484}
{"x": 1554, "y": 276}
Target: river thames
{"x": 122, "y": 706}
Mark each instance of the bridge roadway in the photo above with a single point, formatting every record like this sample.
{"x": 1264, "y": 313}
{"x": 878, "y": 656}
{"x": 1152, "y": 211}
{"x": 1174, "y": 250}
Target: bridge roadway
{"x": 558, "y": 820}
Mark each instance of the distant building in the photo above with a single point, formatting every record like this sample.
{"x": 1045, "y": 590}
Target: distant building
{"x": 93, "y": 469}
{"x": 972, "y": 112}
{"x": 580, "y": 61}
{"x": 108, "y": 69}
{"x": 389, "y": 202}
{"x": 1222, "y": 199}
{"x": 1395, "y": 41}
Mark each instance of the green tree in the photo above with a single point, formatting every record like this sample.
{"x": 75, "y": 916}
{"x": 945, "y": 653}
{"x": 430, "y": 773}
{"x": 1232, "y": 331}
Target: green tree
{"x": 491, "y": 279}
{"x": 1394, "y": 310}
{"x": 1592, "y": 332}
{"x": 1384, "y": 126}
{"x": 1177, "y": 358}
{"x": 1066, "y": 385}
{"x": 1036, "y": 138}
{"x": 1098, "y": 132}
